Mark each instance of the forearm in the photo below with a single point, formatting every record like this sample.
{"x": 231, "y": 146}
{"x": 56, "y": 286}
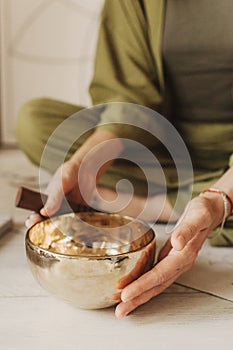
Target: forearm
{"x": 225, "y": 183}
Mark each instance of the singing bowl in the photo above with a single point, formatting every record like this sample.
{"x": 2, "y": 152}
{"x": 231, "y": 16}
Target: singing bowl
{"x": 86, "y": 258}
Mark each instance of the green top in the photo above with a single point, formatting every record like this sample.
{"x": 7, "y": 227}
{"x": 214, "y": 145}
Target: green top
{"x": 129, "y": 68}
{"x": 198, "y": 65}
{"x": 198, "y": 59}
{"x": 128, "y": 56}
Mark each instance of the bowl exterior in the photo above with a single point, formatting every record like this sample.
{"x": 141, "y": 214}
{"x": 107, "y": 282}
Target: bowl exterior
{"x": 88, "y": 282}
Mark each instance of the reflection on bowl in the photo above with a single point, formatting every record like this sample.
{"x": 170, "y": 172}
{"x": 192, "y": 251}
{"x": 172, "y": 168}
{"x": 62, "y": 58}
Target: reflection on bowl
{"x": 85, "y": 258}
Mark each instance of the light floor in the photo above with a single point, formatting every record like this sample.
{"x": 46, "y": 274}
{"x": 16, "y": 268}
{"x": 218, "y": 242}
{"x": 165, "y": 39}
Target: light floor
{"x": 180, "y": 318}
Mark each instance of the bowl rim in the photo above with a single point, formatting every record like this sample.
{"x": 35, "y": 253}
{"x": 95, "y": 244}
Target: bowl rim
{"x": 47, "y": 252}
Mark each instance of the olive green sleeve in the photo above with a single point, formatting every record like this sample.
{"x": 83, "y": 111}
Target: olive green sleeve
{"x": 124, "y": 66}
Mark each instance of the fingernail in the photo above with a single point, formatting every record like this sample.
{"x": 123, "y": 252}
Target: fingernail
{"x": 44, "y": 211}
{"x": 125, "y": 298}
{"x": 119, "y": 315}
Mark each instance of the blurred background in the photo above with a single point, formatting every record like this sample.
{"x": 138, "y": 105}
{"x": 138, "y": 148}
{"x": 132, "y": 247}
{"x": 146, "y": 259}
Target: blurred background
{"x": 46, "y": 49}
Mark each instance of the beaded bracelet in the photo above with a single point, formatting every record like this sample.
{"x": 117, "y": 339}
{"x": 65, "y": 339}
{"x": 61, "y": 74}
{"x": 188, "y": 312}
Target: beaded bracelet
{"x": 227, "y": 202}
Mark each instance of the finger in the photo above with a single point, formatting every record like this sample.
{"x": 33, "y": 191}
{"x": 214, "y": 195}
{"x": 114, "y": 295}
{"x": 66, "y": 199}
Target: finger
{"x": 164, "y": 251}
{"x": 52, "y": 205}
{"x": 134, "y": 273}
{"x": 55, "y": 197}
{"x": 144, "y": 264}
{"x": 87, "y": 187}
{"x": 163, "y": 271}
{"x": 116, "y": 297}
{"x": 195, "y": 221}
{"x": 179, "y": 263}
{"x": 32, "y": 220}
{"x": 124, "y": 308}
{"x": 195, "y": 244}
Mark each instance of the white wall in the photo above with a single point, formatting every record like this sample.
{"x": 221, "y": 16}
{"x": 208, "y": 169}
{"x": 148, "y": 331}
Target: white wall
{"x": 47, "y": 49}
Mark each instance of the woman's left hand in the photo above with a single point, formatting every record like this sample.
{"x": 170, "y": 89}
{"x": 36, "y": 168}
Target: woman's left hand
{"x": 178, "y": 255}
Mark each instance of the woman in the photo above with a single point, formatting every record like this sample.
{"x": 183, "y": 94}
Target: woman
{"x": 176, "y": 58}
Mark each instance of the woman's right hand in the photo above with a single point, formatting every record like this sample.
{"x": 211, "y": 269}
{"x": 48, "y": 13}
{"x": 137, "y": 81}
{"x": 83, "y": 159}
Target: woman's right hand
{"x": 77, "y": 178}
{"x": 64, "y": 183}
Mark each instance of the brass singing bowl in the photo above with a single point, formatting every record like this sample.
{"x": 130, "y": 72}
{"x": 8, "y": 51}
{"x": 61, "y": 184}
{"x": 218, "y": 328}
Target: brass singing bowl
{"x": 86, "y": 258}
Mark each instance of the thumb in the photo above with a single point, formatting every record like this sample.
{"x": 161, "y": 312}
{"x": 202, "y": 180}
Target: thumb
{"x": 194, "y": 220}
{"x": 52, "y": 204}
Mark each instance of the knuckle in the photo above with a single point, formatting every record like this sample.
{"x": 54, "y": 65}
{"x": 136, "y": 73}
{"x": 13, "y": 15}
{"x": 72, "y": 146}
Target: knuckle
{"x": 190, "y": 230}
{"x": 134, "y": 303}
{"x": 161, "y": 278}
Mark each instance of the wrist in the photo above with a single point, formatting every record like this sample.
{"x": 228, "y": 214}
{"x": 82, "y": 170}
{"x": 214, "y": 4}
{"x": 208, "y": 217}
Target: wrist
{"x": 221, "y": 204}
{"x": 215, "y": 202}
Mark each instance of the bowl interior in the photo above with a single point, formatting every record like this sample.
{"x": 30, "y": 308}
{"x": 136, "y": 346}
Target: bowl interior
{"x": 90, "y": 234}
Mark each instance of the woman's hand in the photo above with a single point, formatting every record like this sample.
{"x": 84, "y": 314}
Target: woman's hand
{"x": 65, "y": 184}
{"x": 77, "y": 178}
{"x": 178, "y": 255}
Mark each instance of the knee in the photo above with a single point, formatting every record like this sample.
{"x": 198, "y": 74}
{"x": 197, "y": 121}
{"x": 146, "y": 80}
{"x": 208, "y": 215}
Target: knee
{"x": 29, "y": 119}
{"x": 29, "y": 127}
